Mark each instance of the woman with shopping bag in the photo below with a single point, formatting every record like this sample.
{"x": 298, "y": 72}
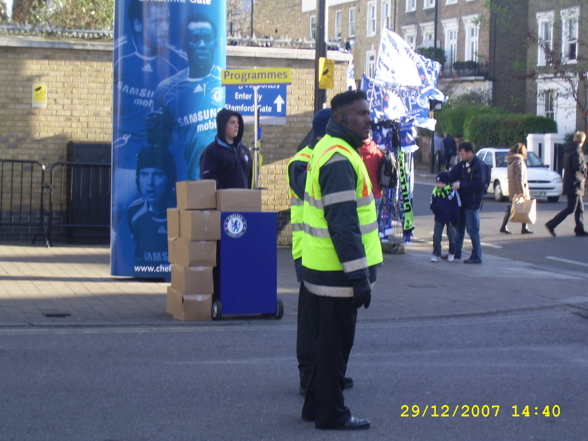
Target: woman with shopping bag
{"x": 517, "y": 183}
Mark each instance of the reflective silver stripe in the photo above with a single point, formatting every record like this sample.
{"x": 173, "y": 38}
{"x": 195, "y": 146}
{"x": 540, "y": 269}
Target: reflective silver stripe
{"x": 366, "y": 229}
{"x": 329, "y": 291}
{"x": 354, "y": 265}
{"x": 316, "y": 203}
{"x": 296, "y": 202}
{"x": 336, "y": 158}
{"x": 366, "y": 200}
{"x": 298, "y": 227}
{"x": 316, "y": 232}
{"x": 340, "y": 196}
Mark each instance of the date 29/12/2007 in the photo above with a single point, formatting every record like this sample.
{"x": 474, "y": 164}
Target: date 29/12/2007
{"x": 477, "y": 411}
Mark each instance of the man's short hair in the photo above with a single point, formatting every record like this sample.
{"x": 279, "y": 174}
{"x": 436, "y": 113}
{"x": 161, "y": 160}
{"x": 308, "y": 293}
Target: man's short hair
{"x": 467, "y": 146}
{"x": 344, "y": 99}
{"x": 136, "y": 8}
{"x": 197, "y": 18}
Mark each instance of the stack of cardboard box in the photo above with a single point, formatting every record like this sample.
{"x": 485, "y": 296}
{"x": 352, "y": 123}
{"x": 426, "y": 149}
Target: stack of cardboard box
{"x": 194, "y": 228}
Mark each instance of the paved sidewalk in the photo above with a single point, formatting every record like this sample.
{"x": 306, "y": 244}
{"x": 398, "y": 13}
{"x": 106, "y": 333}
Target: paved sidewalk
{"x": 71, "y": 285}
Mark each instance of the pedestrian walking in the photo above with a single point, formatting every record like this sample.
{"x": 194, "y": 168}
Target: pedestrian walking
{"x": 446, "y": 205}
{"x": 517, "y": 183}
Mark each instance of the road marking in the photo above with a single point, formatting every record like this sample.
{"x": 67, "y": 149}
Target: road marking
{"x": 490, "y": 245}
{"x": 566, "y": 260}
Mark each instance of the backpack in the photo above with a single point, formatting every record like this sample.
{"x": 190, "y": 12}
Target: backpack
{"x": 388, "y": 174}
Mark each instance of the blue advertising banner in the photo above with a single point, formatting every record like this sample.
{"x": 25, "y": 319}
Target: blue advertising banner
{"x": 167, "y": 91}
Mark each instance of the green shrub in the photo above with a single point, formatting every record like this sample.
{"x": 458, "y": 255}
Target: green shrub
{"x": 505, "y": 130}
{"x": 453, "y": 121}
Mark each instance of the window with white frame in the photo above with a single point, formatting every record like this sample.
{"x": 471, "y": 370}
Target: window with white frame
{"x": 386, "y": 14}
{"x": 549, "y": 99}
{"x": 371, "y": 18}
{"x": 370, "y": 63}
{"x": 351, "y": 27}
{"x": 450, "y": 2}
{"x": 313, "y": 27}
{"x": 427, "y": 31}
{"x": 472, "y": 28}
{"x": 569, "y": 37}
{"x": 545, "y": 34}
{"x": 429, "y": 4}
{"x": 338, "y": 24}
{"x": 450, "y": 30}
{"x": 410, "y": 5}
{"x": 409, "y": 33}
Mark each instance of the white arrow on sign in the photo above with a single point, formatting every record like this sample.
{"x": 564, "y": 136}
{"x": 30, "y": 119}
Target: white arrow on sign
{"x": 278, "y": 102}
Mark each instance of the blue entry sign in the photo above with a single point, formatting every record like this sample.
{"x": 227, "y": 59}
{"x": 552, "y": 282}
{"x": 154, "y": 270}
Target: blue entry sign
{"x": 271, "y": 101}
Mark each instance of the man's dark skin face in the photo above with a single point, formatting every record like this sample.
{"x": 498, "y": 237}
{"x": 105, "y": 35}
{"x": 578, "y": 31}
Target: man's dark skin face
{"x": 357, "y": 116}
{"x": 200, "y": 47}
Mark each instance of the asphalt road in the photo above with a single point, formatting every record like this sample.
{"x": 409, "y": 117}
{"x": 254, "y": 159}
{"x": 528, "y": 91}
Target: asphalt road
{"x": 428, "y": 379}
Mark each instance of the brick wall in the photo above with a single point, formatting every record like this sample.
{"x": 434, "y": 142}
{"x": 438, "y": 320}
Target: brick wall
{"x": 79, "y": 105}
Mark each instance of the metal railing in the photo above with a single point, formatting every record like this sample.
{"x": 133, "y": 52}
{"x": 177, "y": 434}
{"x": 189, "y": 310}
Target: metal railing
{"x": 22, "y": 185}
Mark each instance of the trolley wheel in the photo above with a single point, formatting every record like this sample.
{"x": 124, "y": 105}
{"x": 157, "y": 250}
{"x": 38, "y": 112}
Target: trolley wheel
{"x": 216, "y": 311}
{"x": 279, "y": 310}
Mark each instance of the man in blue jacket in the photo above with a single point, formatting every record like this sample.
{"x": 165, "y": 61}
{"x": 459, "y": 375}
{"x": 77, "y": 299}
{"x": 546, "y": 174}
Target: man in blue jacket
{"x": 468, "y": 178}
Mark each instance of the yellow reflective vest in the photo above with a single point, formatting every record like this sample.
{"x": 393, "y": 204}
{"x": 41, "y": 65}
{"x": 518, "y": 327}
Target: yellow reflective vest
{"x": 296, "y": 202}
{"x": 318, "y": 250}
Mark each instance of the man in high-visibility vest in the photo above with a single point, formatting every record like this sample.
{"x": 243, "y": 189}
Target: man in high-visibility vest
{"x": 296, "y": 176}
{"x": 340, "y": 252}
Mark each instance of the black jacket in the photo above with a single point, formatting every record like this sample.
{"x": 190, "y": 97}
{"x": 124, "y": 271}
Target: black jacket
{"x": 230, "y": 165}
{"x": 574, "y": 170}
{"x": 471, "y": 182}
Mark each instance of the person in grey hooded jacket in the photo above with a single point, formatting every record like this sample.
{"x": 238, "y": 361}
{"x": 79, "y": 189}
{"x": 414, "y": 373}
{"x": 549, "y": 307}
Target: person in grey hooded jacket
{"x": 226, "y": 159}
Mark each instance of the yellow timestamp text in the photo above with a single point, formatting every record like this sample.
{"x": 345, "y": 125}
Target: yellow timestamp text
{"x": 476, "y": 411}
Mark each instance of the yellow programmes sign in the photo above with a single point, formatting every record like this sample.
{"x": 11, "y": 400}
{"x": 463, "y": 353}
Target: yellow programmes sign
{"x": 252, "y": 77}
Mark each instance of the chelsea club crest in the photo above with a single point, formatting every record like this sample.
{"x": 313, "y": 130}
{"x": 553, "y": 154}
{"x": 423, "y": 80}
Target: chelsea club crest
{"x": 235, "y": 226}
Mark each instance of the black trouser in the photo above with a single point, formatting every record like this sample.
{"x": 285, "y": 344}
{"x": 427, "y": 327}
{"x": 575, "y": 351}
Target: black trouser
{"x": 324, "y": 401}
{"x": 305, "y": 335}
{"x": 507, "y": 218}
{"x": 576, "y": 206}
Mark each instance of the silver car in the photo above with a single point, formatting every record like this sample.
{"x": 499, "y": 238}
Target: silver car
{"x": 542, "y": 181}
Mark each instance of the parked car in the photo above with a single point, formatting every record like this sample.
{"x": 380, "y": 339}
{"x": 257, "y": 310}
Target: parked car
{"x": 542, "y": 181}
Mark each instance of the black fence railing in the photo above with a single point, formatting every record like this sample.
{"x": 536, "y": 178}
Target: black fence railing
{"x": 21, "y": 195}
{"x": 78, "y": 201}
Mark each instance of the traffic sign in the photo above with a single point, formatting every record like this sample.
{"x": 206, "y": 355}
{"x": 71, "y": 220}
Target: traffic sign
{"x": 242, "y": 77}
{"x": 271, "y": 102}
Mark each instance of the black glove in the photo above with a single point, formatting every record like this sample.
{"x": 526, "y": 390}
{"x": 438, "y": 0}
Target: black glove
{"x": 362, "y": 293}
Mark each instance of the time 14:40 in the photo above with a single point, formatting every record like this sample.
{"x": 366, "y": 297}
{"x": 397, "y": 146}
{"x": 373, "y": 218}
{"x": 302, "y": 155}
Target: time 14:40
{"x": 528, "y": 411}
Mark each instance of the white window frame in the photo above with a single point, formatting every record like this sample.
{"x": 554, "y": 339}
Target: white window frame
{"x": 409, "y": 33}
{"x": 451, "y": 33}
{"x": 428, "y": 4}
{"x": 411, "y": 5}
{"x": 544, "y": 22}
{"x": 372, "y": 15}
{"x": 312, "y": 26}
{"x": 472, "y": 37}
{"x": 428, "y": 34}
{"x": 351, "y": 24}
{"x": 450, "y": 2}
{"x": 386, "y": 14}
{"x": 549, "y": 98}
{"x": 570, "y": 19}
{"x": 370, "y": 63}
{"x": 338, "y": 24}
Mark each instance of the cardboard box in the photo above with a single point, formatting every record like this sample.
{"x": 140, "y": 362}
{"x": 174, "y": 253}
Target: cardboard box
{"x": 192, "y": 253}
{"x": 195, "y": 307}
{"x": 173, "y": 222}
{"x": 200, "y": 224}
{"x": 173, "y": 301}
{"x": 238, "y": 199}
{"x": 196, "y": 195}
{"x": 192, "y": 279}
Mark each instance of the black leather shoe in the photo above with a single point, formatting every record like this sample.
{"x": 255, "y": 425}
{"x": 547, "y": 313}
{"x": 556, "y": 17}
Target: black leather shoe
{"x": 348, "y": 383}
{"x": 355, "y": 424}
{"x": 550, "y": 229}
{"x": 581, "y": 233}
{"x": 505, "y": 230}
{"x": 527, "y": 231}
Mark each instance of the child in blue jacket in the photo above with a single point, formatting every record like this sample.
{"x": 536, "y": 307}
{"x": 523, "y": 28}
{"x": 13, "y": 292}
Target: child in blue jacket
{"x": 445, "y": 204}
